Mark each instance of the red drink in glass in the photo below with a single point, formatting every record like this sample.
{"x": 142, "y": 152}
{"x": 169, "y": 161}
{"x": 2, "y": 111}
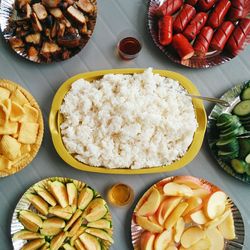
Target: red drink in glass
{"x": 129, "y": 48}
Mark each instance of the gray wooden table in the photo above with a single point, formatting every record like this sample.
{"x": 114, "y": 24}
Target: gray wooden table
{"x": 42, "y": 81}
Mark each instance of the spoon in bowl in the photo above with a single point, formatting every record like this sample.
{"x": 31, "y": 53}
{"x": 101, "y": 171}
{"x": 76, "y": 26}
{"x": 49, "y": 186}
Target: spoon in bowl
{"x": 211, "y": 99}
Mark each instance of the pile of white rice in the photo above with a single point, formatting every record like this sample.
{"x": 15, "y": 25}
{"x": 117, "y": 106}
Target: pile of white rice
{"x": 128, "y": 121}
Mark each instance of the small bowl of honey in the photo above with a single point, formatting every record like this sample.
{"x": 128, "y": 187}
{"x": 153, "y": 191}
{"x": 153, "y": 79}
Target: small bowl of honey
{"x": 120, "y": 194}
{"x": 129, "y": 44}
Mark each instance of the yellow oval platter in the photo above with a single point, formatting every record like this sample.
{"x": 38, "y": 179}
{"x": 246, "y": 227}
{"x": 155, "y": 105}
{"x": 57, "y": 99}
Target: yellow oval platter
{"x": 55, "y": 119}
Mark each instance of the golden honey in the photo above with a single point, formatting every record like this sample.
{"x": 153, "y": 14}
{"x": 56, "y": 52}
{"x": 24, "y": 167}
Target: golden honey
{"x": 120, "y": 194}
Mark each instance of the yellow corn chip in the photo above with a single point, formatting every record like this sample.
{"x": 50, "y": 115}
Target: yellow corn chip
{"x": 3, "y": 114}
{"x": 28, "y": 132}
{"x": 16, "y": 113}
{"x": 4, "y": 162}
{"x": 19, "y": 97}
{"x": 4, "y": 94}
{"x": 25, "y": 148}
{"x": 9, "y": 128}
{"x": 9, "y": 147}
{"x": 30, "y": 113}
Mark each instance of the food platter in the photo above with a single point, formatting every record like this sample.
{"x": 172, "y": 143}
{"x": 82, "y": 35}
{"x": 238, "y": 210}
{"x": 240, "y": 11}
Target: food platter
{"x": 54, "y": 223}
{"x": 212, "y": 57}
{"x": 137, "y": 231}
{"x": 55, "y": 37}
{"x": 55, "y": 120}
{"x": 28, "y": 115}
{"x": 231, "y": 96}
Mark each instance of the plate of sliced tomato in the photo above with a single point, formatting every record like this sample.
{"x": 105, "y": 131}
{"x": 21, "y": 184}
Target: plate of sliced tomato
{"x": 200, "y": 33}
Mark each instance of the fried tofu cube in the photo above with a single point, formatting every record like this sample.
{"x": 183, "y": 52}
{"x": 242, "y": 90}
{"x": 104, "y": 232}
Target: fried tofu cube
{"x": 30, "y": 113}
{"x": 9, "y": 128}
{"x": 17, "y": 112}
{"x": 28, "y": 132}
{"x": 9, "y": 147}
{"x": 5, "y": 163}
{"x": 19, "y": 97}
{"x": 4, "y": 94}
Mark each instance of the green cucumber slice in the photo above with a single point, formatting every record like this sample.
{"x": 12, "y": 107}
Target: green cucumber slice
{"x": 224, "y": 117}
{"x": 223, "y": 142}
{"x": 242, "y": 108}
{"x": 248, "y": 169}
{"x": 228, "y": 123}
{"x": 230, "y": 127}
{"x": 245, "y": 93}
{"x": 239, "y": 166}
{"x": 244, "y": 148}
{"x": 231, "y": 144}
{"x": 247, "y": 159}
{"x": 227, "y": 155}
{"x": 233, "y": 123}
{"x": 230, "y": 134}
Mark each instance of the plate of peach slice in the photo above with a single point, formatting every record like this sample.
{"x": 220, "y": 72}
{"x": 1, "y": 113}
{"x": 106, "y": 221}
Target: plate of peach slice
{"x": 61, "y": 213}
{"x": 184, "y": 212}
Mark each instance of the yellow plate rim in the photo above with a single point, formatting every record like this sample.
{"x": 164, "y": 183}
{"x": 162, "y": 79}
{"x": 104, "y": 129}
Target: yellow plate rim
{"x": 69, "y": 159}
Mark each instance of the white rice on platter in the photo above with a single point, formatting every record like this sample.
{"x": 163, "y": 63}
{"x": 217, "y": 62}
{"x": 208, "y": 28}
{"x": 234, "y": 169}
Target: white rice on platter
{"x": 128, "y": 121}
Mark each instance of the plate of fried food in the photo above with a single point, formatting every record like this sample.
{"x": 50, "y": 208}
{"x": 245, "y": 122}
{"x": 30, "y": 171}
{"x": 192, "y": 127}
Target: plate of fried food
{"x": 94, "y": 129}
{"x": 21, "y": 128}
{"x": 47, "y": 31}
{"x": 185, "y": 212}
{"x": 199, "y": 33}
{"x": 61, "y": 213}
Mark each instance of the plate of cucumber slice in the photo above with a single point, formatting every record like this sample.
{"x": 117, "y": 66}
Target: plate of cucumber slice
{"x": 228, "y": 132}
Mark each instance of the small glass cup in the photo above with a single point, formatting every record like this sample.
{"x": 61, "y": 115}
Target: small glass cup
{"x": 129, "y": 45}
{"x": 120, "y": 194}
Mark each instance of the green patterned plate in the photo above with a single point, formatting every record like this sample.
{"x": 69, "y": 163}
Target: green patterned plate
{"x": 231, "y": 96}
